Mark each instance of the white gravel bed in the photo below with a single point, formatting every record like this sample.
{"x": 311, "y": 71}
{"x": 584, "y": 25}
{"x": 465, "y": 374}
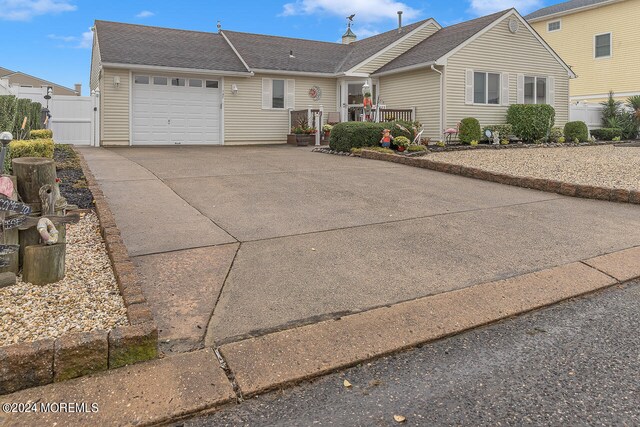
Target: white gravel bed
{"x": 87, "y": 299}
{"x": 603, "y": 166}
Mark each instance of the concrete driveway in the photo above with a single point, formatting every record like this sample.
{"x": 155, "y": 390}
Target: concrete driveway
{"x": 240, "y": 241}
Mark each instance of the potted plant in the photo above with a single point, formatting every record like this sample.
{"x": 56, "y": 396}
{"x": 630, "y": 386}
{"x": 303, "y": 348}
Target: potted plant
{"x": 301, "y": 136}
{"x": 402, "y": 142}
{"x": 327, "y": 130}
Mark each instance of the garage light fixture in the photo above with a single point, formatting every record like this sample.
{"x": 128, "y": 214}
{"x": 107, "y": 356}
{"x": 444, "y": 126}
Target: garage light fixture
{"x": 116, "y": 81}
{"x": 234, "y": 89}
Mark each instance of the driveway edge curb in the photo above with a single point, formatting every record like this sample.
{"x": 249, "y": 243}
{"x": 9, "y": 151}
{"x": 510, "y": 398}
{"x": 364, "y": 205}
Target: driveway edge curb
{"x": 288, "y": 357}
{"x": 564, "y": 188}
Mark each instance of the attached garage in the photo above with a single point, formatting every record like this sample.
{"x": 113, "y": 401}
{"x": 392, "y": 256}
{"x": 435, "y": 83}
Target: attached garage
{"x": 176, "y": 110}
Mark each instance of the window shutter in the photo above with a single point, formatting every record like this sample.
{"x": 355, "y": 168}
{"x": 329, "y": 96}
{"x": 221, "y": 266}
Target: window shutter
{"x": 267, "y": 94}
{"x": 469, "y": 87}
{"x": 290, "y": 97}
{"x": 505, "y": 89}
{"x": 520, "y": 88}
{"x": 551, "y": 91}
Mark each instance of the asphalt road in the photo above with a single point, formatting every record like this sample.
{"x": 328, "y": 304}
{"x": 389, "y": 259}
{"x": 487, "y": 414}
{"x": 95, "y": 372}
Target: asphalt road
{"x": 573, "y": 364}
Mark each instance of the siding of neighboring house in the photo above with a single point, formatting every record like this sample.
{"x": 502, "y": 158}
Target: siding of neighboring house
{"x": 419, "y": 89}
{"x": 500, "y": 51}
{"x": 245, "y": 122}
{"x": 114, "y": 119}
{"x": 574, "y": 42}
{"x": 95, "y": 64}
{"x": 20, "y": 79}
{"x": 403, "y": 46}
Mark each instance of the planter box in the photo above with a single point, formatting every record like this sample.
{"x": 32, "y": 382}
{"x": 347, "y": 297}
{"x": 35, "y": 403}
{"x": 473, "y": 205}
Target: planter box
{"x": 301, "y": 139}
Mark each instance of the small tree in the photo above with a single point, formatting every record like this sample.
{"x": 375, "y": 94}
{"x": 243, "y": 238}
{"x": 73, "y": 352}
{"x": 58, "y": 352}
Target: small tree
{"x": 469, "y": 130}
{"x": 610, "y": 109}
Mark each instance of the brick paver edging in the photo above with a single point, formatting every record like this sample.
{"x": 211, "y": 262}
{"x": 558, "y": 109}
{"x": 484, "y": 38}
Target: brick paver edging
{"x": 76, "y": 354}
{"x": 564, "y": 188}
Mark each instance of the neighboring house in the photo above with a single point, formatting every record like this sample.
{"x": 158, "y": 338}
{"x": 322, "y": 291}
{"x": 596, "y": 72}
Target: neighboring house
{"x": 599, "y": 40}
{"x": 166, "y": 86}
{"x": 17, "y": 78}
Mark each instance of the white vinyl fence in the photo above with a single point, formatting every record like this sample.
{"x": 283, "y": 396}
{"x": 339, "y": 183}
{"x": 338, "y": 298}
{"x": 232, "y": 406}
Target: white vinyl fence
{"x": 73, "y": 119}
{"x": 591, "y": 114}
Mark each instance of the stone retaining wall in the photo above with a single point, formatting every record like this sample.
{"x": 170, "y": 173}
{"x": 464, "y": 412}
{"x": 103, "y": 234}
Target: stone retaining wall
{"x": 41, "y": 362}
{"x": 564, "y": 188}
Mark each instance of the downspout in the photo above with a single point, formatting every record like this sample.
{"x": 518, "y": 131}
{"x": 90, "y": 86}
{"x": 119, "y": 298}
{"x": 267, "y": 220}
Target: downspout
{"x": 433, "y": 68}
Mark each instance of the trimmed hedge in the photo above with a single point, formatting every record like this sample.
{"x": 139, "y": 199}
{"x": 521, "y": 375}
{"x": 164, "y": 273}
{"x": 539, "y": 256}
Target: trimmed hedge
{"x": 504, "y": 131}
{"x": 12, "y": 114}
{"x": 29, "y": 148}
{"x": 607, "y": 134}
{"x": 348, "y": 135}
{"x": 576, "y": 130}
{"x": 531, "y": 122}
{"x": 469, "y": 130}
{"x": 556, "y": 133}
{"x": 41, "y": 134}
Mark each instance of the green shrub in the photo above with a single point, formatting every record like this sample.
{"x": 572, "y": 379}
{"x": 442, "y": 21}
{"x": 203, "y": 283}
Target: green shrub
{"x": 348, "y": 135}
{"x": 402, "y": 141}
{"x": 13, "y": 112}
{"x": 7, "y": 113}
{"x": 41, "y": 134}
{"x": 556, "y": 133}
{"x": 416, "y": 148}
{"x": 531, "y": 122}
{"x": 607, "y": 134}
{"x": 30, "y": 148}
{"x": 469, "y": 130}
{"x": 504, "y": 131}
{"x": 474, "y": 143}
{"x": 576, "y": 130}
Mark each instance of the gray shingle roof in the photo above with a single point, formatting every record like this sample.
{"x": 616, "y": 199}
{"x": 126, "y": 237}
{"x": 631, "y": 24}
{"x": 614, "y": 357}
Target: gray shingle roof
{"x": 563, "y": 7}
{"x": 143, "y": 45}
{"x": 441, "y": 43}
{"x": 272, "y": 53}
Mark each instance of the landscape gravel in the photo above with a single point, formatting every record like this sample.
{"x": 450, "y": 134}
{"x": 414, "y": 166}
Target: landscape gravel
{"x": 87, "y": 299}
{"x": 604, "y": 166}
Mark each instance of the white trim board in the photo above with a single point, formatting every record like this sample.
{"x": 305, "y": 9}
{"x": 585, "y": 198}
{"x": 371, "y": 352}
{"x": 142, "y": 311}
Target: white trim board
{"x": 574, "y": 10}
{"x": 139, "y": 67}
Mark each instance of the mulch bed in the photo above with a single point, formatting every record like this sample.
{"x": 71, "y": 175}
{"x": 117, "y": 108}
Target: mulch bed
{"x": 73, "y": 184}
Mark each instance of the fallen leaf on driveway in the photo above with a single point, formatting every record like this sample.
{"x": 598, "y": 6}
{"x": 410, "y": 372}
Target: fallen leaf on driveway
{"x": 347, "y": 383}
{"x": 399, "y": 418}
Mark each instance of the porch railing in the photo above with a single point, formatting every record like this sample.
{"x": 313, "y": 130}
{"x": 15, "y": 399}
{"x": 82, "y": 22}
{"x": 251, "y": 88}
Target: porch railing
{"x": 392, "y": 114}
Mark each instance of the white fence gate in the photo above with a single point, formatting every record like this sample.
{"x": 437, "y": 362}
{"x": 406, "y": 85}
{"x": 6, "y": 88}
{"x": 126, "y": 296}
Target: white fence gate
{"x": 591, "y": 114}
{"x": 73, "y": 120}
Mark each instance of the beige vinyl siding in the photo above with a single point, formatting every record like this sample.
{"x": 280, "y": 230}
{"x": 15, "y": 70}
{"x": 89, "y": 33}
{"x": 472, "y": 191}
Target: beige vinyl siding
{"x": 115, "y": 108}
{"x": 95, "y": 64}
{"x": 404, "y": 45}
{"x": 500, "y": 51}
{"x": 245, "y": 122}
{"x": 20, "y": 79}
{"x": 419, "y": 89}
{"x": 574, "y": 42}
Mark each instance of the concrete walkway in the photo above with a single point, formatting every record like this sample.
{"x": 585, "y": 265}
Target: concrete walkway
{"x": 241, "y": 241}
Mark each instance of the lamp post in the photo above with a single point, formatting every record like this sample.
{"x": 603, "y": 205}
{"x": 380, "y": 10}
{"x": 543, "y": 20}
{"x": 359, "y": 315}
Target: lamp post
{"x": 5, "y": 139}
{"x": 45, "y": 116}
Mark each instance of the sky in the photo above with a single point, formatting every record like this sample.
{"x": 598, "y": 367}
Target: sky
{"x": 52, "y": 39}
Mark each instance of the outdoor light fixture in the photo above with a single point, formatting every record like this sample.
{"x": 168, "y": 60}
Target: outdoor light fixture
{"x": 5, "y": 139}
{"x": 365, "y": 87}
{"x": 234, "y": 89}
{"x": 116, "y": 81}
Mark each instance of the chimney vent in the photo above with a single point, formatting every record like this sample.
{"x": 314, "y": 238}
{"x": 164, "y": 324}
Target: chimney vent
{"x": 78, "y": 88}
{"x": 399, "y": 21}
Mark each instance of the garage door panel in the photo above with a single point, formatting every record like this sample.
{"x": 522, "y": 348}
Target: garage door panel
{"x": 175, "y": 114}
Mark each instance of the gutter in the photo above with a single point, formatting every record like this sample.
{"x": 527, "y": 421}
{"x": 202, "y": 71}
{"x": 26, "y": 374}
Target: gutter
{"x": 175, "y": 69}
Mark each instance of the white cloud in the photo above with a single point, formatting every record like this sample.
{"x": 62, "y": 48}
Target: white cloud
{"x": 24, "y": 10}
{"x": 145, "y": 14}
{"x": 84, "y": 41}
{"x": 486, "y": 7}
{"x": 366, "y": 11}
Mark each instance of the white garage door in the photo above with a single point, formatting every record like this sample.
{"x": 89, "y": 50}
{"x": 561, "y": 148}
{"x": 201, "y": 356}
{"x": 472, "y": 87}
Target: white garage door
{"x": 169, "y": 110}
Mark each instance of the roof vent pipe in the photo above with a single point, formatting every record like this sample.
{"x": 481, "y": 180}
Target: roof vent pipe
{"x": 399, "y": 21}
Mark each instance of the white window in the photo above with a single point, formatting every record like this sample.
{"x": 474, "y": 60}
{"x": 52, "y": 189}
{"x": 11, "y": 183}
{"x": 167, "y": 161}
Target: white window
{"x": 486, "y": 88}
{"x": 602, "y": 45}
{"x": 141, "y": 80}
{"x": 278, "y": 94}
{"x": 554, "y": 26}
{"x": 195, "y": 83}
{"x": 535, "y": 90}
{"x": 177, "y": 81}
{"x": 160, "y": 81}
{"x": 211, "y": 84}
